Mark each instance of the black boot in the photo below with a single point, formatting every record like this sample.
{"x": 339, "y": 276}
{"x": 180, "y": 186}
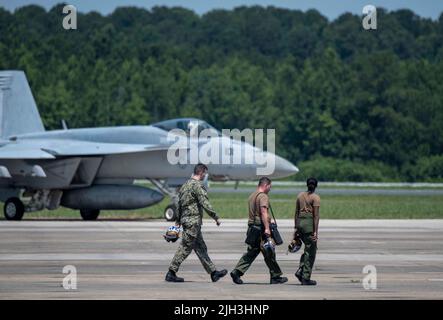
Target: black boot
{"x": 172, "y": 277}
{"x": 298, "y": 274}
{"x": 218, "y": 274}
{"x": 278, "y": 280}
{"x": 305, "y": 282}
{"x": 236, "y": 278}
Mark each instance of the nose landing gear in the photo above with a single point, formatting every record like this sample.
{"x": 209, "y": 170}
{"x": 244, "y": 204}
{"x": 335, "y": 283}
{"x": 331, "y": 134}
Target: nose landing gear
{"x": 170, "y": 212}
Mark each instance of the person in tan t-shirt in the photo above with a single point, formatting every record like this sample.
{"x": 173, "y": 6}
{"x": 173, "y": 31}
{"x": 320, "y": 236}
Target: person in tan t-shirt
{"x": 259, "y": 217}
{"x": 306, "y": 202}
{"x": 306, "y": 219}
{"x": 260, "y": 200}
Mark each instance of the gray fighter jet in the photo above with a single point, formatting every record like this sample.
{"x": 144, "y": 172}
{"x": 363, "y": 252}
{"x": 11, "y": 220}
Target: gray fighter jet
{"x": 93, "y": 169}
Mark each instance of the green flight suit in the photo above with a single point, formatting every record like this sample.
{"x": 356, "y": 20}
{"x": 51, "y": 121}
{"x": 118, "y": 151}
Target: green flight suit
{"x": 307, "y": 259}
{"x": 248, "y": 258}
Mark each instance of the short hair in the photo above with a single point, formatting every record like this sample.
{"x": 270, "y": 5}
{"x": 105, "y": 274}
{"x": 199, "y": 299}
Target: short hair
{"x": 264, "y": 181}
{"x": 312, "y": 181}
{"x": 200, "y": 168}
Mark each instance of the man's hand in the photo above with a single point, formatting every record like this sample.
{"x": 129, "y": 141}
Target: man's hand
{"x": 218, "y": 222}
{"x": 177, "y": 224}
{"x": 296, "y": 234}
{"x": 268, "y": 232}
{"x": 314, "y": 236}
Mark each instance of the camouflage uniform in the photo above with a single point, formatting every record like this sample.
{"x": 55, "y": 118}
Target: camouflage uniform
{"x": 193, "y": 198}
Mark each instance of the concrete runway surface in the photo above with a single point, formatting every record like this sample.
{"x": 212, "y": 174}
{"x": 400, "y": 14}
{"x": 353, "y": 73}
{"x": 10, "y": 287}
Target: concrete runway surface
{"x": 129, "y": 259}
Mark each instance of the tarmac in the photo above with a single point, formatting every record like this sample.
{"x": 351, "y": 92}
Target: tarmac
{"x": 129, "y": 259}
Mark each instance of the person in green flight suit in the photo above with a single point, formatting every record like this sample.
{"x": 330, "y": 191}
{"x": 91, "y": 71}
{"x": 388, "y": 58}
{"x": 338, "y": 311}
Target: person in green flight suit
{"x": 307, "y": 217}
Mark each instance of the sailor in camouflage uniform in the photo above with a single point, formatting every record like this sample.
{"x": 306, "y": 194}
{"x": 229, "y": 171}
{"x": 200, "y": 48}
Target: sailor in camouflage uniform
{"x": 193, "y": 198}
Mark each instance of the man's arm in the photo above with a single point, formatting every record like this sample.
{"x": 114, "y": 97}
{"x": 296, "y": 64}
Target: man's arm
{"x": 202, "y": 197}
{"x": 264, "y": 218}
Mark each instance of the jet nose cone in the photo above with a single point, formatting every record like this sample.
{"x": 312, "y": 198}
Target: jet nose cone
{"x": 283, "y": 168}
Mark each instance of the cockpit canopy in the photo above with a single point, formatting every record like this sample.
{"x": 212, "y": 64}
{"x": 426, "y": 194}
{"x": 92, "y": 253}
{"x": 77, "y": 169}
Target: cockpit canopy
{"x": 185, "y": 124}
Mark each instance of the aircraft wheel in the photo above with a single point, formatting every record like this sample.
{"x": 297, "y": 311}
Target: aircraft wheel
{"x": 14, "y": 209}
{"x": 170, "y": 212}
{"x": 88, "y": 214}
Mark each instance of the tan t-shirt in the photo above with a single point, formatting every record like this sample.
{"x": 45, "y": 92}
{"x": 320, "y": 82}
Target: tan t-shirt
{"x": 256, "y": 201}
{"x": 306, "y": 202}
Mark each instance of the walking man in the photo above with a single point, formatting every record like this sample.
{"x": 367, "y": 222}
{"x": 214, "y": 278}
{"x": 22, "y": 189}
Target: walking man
{"x": 193, "y": 198}
{"x": 307, "y": 217}
{"x": 259, "y": 217}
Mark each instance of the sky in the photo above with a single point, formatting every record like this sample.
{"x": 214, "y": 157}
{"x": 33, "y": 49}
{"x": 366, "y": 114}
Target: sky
{"x": 330, "y": 8}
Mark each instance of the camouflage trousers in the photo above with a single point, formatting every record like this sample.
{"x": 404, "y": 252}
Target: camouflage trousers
{"x": 307, "y": 259}
{"x": 192, "y": 239}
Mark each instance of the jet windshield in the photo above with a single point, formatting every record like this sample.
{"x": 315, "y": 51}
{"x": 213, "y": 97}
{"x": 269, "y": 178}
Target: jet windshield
{"x": 186, "y": 125}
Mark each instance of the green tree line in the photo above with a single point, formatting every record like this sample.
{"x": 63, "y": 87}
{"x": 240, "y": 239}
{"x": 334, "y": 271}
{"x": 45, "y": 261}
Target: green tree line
{"x": 346, "y": 103}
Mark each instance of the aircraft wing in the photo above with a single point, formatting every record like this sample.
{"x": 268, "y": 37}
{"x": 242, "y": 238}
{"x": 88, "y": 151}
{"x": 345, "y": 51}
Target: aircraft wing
{"x": 50, "y": 149}
{"x": 59, "y": 163}
{"x": 14, "y": 151}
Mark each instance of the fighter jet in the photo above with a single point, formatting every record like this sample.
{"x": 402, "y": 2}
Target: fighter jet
{"x": 93, "y": 169}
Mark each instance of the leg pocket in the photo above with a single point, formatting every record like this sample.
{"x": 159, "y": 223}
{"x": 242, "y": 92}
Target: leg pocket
{"x": 190, "y": 234}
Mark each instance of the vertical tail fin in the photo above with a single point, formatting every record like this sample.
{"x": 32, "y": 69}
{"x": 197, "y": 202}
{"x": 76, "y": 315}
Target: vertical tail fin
{"x": 18, "y": 111}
